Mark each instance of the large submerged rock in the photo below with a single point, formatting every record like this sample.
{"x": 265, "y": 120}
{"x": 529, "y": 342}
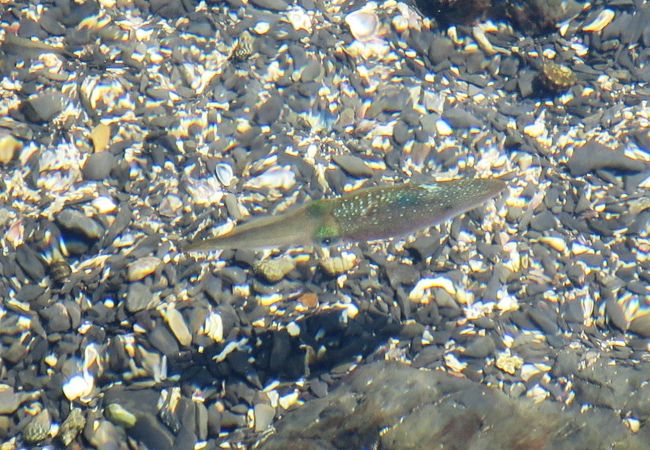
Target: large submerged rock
{"x": 389, "y": 405}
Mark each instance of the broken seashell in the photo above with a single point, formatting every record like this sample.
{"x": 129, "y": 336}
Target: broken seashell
{"x": 364, "y": 23}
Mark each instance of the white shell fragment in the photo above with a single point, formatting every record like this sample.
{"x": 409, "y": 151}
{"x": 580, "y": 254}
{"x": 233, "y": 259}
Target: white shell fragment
{"x": 213, "y": 327}
{"x": 224, "y": 174}
{"x": 78, "y": 387}
{"x": 363, "y": 23}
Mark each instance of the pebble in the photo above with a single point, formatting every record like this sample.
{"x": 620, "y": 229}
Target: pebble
{"x": 9, "y": 148}
{"x": 460, "y": 118}
{"x": 276, "y": 269}
{"x": 178, "y": 327}
{"x": 269, "y": 112}
{"x": 440, "y": 49}
{"x": 142, "y": 267}
{"x": 556, "y": 77}
{"x": 72, "y": 426}
{"x": 10, "y": 400}
{"x": 594, "y": 155}
{"x": 119, "y": 415}
{"x": 273, "y": 5}
{"x": 481, "y": 347}
{"x": 43, "y": 107}
{"x": 103, "y": 434}
{"x": 56, "y": 318}
{"x": 100, "y": 136}
{"x": 263, "y": 416}
{"x": 30, "y": 262}
{"x": 353, "y": 165}
{"x": 337, "y": 265}
{"x": 76, "y": 221}
{"x": 98, "y": 166}
{"x": 139, "y": 297}
{"x": 641, "y": 326}
{"x": 38, "y": 429}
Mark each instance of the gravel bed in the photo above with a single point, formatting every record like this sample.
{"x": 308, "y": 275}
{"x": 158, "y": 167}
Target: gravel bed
{"x": 129, "y": 127}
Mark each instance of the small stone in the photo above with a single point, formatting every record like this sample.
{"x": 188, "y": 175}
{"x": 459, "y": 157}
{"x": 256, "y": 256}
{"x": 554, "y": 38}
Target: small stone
{"x": 311, "y": 71}
{"x": 556, "y": 77}
{"x": 178, "y": 327}
{"x": 234, "y": 275}
{"x": 509, "y": 363}
{"x": 76, "y": 221}
{"x": 273, "y": 5}
{"x": 339, "y": 264}
{"x": 269, "y": 112}
{"x": 56, "y": 317}
{"x": 440, "y": 50}
{"x": 120, "y": 416}
{"x": 100, "y": 135}
{"x": 163, "y": 340}
{"x": 29, "y": 261}
{"x": 353, "y": 165}
{"x": 10, "y": 400}
{"x": 594, "y": 155}
{"x": 139, "y": 298}
{"x": 98, "y": 166}
{"x": 103, "y": 434}
{"x": 274, "y": 270}
{"x": 309, "y": 300}
{"x": 459, "y": 118}
{"x": 78, "y": 386}
{"x": 142, "y": 267}
{"x": 38, "y": 429}
{"x": 641, "y": 326}
{"x": 72, "y": 426}
{"x": 263, "y": 416}
{"x": 480, "y": 347}
{"x": 400, "y": 132}
{"x": 9, "y": 146}
{"x": 43, "y": 107}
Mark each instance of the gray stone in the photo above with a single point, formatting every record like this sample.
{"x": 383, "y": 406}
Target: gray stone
{"x": 43, "y": 107}
{"x": 98, "y": 166}
{"x": 139, "y": 297}
{"x": 76, "y": 221}
{"x": 353, "y": 165}
{"x": 412, "y": 407}
{"x": 273, "y": 5}
{"x": 593, "y": 156}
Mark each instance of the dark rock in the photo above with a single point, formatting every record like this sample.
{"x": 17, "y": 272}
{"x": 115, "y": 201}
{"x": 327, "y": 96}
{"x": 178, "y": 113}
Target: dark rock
{"x": 353, "y": 165}
{"x": 413, "y": 406}
{"x": 480, "y": 347}
{"x": 440, "y": 49}
{"x": 460, "y": 118}
{"x": 57, "y": 318}
{"x": 43, "y": 107}
{"x": 594, "y": 155}
{"x": 273, "y": 5}
{"x": 139, "y": 298}
{"x": 30, "y": 262}
{"x": 98, "y": 166}
{"x": 269, "y": 112}
{"x": 77, "y": 222}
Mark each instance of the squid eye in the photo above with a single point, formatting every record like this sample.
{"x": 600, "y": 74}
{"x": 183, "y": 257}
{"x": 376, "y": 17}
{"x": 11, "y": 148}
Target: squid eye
{"x": 329, "y": 241}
